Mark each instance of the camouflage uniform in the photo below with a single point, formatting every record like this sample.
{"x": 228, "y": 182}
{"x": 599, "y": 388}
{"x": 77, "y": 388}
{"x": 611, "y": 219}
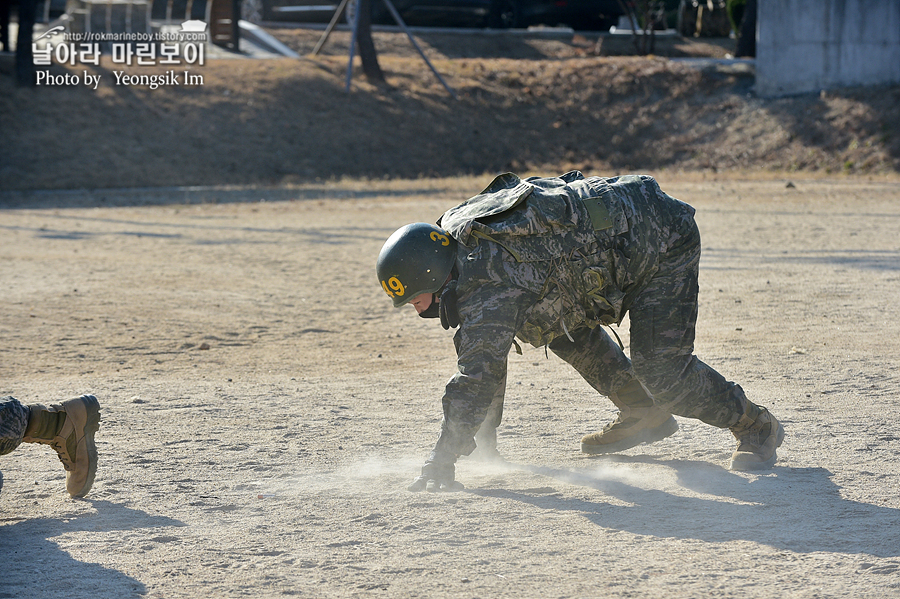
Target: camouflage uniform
{"x": 13, "y": 420}
{"x": 550, "y": 260}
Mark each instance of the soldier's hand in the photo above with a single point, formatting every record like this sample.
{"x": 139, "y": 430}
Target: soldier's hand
{"x": 438, "y": 474}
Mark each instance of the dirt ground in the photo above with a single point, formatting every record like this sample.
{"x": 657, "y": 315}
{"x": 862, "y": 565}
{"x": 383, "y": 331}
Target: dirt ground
{"x": 264, "y": 407}
{"x": 202, "y": 259}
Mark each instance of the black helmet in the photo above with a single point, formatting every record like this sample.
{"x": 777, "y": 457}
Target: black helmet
{"x": 416, "y": 259}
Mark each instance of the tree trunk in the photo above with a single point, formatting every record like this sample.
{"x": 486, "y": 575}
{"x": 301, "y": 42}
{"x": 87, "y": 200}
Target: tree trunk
{"x": 746, "y": 42}
{"x": 367, "y": 52}
{"x": 25, "y": 71}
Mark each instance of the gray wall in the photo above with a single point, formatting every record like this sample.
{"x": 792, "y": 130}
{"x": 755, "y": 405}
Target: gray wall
{"x": 810, "y": 45}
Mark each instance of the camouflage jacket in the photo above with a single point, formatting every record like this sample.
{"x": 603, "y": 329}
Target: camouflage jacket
{"x": 538, "y": 258}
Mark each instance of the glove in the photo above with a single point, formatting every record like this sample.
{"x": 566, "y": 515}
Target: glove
{"x": 438, "y": 474}
{"x": 449, "y": 313}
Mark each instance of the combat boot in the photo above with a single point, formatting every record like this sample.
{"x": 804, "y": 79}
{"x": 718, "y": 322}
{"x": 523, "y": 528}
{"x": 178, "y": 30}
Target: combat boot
{"x": 69, "y": 428}
{"x": 638, "y": 421}
{"x": 759, "y": 434}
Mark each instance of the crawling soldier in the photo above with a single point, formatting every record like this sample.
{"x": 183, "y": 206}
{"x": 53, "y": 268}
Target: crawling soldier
{"x": 549, "y": 261}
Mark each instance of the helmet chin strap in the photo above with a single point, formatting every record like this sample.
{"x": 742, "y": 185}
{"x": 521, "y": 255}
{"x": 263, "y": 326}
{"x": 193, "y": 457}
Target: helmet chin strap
{"x": 432, "y": 311}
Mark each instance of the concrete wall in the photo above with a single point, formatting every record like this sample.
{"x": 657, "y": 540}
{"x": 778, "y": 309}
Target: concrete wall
{"x": 810, "y": 45}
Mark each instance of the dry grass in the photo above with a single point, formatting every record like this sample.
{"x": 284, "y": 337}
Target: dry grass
{"x": 525, "y": 105}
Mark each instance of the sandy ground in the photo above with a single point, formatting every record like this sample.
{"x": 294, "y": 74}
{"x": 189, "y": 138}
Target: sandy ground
{"x": 264, "y": 407}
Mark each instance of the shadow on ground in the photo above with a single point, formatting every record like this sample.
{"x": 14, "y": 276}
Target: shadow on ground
{"x": 802, "y": 507}
{"x": 35, "y": 566}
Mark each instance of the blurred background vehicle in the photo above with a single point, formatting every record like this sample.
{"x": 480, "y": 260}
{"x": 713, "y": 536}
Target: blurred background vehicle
{"x": 596, "y": 15}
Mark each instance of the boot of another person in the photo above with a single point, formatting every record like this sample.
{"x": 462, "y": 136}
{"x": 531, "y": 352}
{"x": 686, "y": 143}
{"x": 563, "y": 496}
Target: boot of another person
{"x": 69, "y": 428}
{"x": 638, "y": 421}
{"x": 759, "y": 434}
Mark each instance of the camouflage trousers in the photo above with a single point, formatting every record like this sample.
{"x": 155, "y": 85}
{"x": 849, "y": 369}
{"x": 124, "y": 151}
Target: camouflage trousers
{"x": 663, "y": 319}
{"x": 13, "y": 420}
